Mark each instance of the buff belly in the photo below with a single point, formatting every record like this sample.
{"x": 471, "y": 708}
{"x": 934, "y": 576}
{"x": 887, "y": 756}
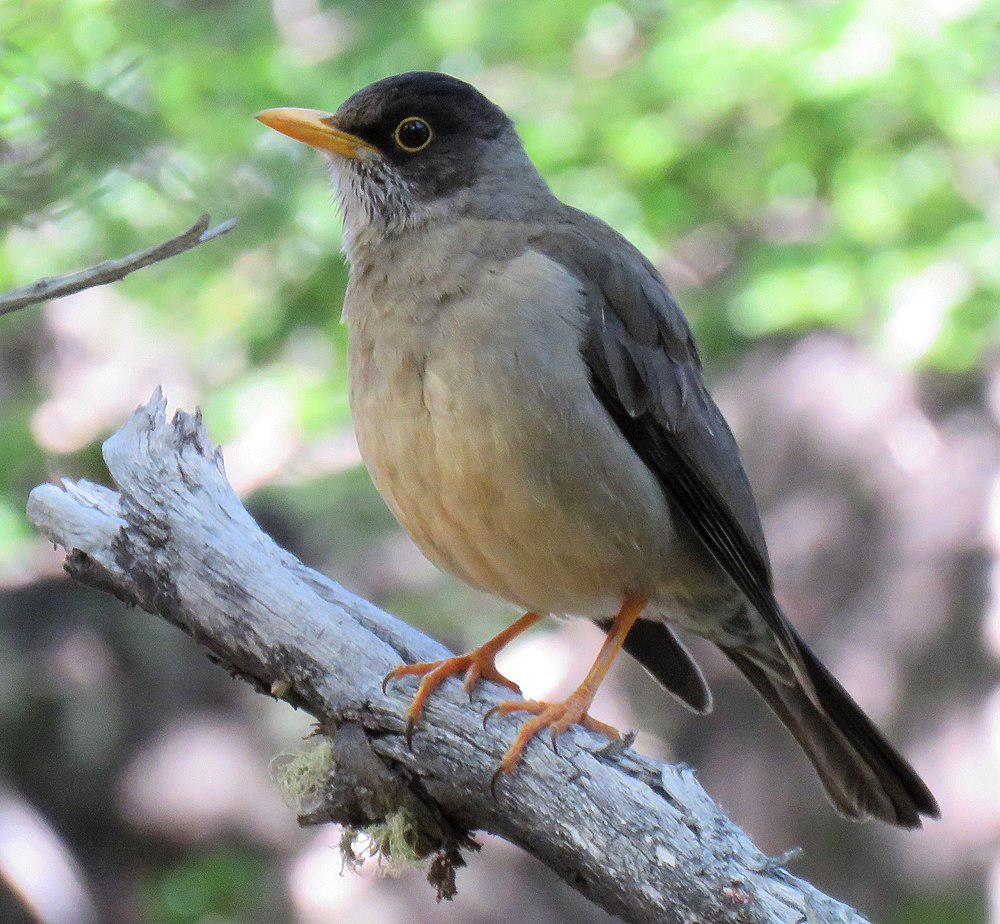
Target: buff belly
{"x": 537, "y": 499}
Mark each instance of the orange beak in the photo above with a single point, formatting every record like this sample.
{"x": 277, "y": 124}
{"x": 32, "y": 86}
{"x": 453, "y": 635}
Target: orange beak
{"x": 317, "y": 129}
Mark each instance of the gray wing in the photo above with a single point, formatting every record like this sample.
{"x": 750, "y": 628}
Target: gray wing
{"x": 646, "y": 371}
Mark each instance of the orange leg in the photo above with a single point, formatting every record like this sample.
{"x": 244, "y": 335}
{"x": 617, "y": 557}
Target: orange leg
{"x": 476, "y": 665}
{"x": 559, "y": 716}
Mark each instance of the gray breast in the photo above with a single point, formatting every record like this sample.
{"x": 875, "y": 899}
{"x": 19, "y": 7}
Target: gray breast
{"x": 475, "y": 417}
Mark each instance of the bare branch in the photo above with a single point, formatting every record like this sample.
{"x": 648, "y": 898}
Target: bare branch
{"x": 111, "y": 270}
{"x": 640, "y": 839}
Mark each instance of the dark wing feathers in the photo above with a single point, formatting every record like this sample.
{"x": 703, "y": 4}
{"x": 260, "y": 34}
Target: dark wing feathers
{"x": 644, "y": 377}
{"x": 646, "y": 370}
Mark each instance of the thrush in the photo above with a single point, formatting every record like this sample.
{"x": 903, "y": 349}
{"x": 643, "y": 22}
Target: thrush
{"x": 528, "y": 398}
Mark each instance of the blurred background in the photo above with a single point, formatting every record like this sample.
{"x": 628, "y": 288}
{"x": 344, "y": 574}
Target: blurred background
{"x": 818, "y": 181}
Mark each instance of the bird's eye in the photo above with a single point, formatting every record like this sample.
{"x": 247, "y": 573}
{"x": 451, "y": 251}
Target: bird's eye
{"x": 413, "y": 134}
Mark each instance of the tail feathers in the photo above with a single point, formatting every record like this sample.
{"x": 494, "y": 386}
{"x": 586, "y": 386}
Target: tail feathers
{"x": 862, "y": 774}
{"x": 661, "y": 653}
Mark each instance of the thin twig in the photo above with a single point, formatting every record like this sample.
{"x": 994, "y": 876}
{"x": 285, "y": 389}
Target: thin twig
{"x": 111, "y": 270}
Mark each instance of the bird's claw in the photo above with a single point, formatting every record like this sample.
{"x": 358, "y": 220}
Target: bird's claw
{"x": 477, "y": 665}
{"x": 557, "y": 717}
{"x": 489, "y": 715}
{"x": 493, "y": 782}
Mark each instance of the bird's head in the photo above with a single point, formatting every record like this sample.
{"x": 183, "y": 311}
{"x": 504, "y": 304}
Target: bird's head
{"x": 417, "y": 146}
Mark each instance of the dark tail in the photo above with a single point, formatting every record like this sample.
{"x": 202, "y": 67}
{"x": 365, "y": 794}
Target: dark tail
{"x": 662, "y": 653}
{"x": 862, "y": 774}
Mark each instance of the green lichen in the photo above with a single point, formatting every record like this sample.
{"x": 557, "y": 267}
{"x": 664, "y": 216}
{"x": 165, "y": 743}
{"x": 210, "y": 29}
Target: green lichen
{"x": 301, "y": 775}
{"x": 391, "y": 842}
{"x": 396, "y": 842}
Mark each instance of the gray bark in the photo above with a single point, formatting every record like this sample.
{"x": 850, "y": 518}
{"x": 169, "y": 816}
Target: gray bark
{"x": 111, "y": 270}
{"x": 640, "y": 839}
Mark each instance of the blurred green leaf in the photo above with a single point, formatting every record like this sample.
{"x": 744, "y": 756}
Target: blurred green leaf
{"x": 841, "y": 149}
{"x": 223, "y": 884}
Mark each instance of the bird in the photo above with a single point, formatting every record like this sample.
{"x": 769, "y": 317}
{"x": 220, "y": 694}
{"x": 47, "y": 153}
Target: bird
{"x": 529, "y": 400}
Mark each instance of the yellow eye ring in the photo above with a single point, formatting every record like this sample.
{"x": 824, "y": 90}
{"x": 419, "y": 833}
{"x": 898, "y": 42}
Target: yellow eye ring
{"x": 413, "y": 134}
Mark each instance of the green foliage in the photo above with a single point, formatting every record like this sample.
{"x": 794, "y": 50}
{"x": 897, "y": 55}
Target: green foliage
{"x": 942, "y": 909}
{"x": 221, "y": 884}
{"x": 841, "y": 147}
{"x": 790, "y": 166}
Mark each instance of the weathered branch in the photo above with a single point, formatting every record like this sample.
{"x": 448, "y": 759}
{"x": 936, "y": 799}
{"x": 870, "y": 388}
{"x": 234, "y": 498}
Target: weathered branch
{"x": 640, "y": 839}
{"x": 111, "y": 270}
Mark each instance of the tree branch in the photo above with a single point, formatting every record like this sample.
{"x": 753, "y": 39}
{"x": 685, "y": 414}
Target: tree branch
{"x": 111, "y": 270}
{"x": 640, "y": 839}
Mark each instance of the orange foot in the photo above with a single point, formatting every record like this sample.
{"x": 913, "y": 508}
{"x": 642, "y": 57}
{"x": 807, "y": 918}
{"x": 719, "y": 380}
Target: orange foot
{"x": 557, "y": 716}
{"x": 476, "y": 665}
